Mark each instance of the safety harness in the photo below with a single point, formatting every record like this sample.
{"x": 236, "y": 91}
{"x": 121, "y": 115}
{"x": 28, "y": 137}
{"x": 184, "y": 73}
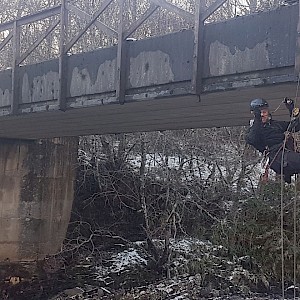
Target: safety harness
{"x": 289, "y": 140}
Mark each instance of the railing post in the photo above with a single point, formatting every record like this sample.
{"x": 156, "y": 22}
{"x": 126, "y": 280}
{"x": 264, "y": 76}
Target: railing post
{"x": 121, "y": 58}
{"x": 15, "y": 72}
{"x": 297, "y": 54}
{"x": 201, "y": 15}
{"x": 62, "y": 95}
{"x": 198, "y": 49}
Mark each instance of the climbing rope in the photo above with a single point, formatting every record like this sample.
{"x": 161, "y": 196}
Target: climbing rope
{"x": 295, "y": 237}
{"x": 282, "y": 220}
{"x": 274, "y": 111}
{"x": 294, "y": 208}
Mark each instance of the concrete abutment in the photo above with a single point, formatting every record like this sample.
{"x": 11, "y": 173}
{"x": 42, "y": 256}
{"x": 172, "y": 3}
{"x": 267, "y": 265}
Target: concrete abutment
{"x": 36, "y": 196}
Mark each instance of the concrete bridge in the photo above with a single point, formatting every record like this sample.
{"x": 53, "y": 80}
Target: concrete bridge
{"x": 187, "y": 79}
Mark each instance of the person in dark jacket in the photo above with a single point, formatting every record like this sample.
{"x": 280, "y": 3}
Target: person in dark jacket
{"x": 270, "y": 136}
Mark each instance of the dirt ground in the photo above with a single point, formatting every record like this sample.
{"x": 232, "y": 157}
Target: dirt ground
{"x": 198, "y": 270}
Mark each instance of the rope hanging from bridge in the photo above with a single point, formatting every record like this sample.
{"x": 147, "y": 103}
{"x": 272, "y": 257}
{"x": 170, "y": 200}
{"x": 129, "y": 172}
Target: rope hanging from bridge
{"x": 294, "y": 208}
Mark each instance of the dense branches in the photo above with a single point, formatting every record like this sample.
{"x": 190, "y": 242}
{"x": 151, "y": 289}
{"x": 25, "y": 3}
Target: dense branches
{"x": 161, "y": 184}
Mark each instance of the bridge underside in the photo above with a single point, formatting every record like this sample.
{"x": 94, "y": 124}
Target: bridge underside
{"x": 216, "y": 109}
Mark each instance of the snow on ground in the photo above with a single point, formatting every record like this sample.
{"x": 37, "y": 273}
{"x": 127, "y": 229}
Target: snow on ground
{"x": 199, "y": 270}
{"x": 121, "y": 261}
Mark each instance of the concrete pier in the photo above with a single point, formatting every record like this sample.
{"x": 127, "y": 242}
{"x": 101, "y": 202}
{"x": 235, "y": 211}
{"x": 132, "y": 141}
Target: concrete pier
{"x": 36, "y": 195}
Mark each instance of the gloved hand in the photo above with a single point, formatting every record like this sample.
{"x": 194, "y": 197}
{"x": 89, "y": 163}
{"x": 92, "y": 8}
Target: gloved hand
{"x": 289, "y": 103}
{"x": 257, "y": 114}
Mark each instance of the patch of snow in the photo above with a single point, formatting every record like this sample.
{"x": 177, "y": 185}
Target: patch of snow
{"x": 120, "y": 262}
{"x": 181, "y": 297}
{"x": 127, "y": 259}
{"x": 186, "y": 245}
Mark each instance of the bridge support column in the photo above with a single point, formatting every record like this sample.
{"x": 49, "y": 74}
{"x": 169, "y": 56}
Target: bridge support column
{"x": 36, "y": 195}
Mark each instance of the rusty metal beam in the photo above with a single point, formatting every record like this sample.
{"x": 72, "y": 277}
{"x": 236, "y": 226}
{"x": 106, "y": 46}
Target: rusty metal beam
{"x": 15, "y": 67}
{"x": 38, "y": 41}
{"x": 198, "y": 63}
{"x": 175, "y": 9}
{"x": 134, "y": 26}
{"x": 211, "y": 9}
{"x": 7, "y": 26}
{"x": 104, "y": 5}
{"x": 62, "y": 69}
{"x": 198, "y": 49}
{"x": 46, "y": 13}
{"x": 6, "y": 40}
{"x": 297, "y": 54}
{"x": 121, "y": 58}
{"x": 101, "y": 26}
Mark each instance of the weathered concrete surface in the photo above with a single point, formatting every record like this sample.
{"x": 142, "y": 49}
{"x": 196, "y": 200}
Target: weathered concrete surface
{"x": 5, "y": 88}
{"x": 36, "y": 195}
{"x": 256, "y": 42}
{"x": 92, "y": 73}
{"x": 240, "y": 54}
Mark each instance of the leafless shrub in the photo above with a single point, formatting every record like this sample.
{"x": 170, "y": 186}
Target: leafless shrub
{"x": 159, "y": 185}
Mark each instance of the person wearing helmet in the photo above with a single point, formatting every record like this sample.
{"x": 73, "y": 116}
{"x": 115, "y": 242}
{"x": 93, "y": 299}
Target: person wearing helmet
{"x": 269, "y": 136}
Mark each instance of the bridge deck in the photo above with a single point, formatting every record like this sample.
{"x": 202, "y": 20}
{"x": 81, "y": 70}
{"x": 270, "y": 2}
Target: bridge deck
{"x": 214, "y": 110}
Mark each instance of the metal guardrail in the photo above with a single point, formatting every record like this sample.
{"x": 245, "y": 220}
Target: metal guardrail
{"x": 122, "y": 34}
